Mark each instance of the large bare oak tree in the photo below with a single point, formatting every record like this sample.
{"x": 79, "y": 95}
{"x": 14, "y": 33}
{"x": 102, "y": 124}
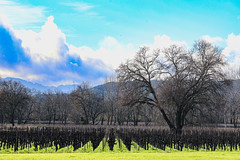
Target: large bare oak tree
{"x": 175, "y": 82}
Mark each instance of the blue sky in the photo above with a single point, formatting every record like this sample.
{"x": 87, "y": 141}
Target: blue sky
{"x": 57, "y": 42}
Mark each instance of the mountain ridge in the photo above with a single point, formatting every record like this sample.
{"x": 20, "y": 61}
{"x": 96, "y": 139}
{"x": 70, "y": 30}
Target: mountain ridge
{"x": 40, "y": 87}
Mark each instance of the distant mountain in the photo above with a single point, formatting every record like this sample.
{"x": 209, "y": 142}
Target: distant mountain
{"x": 63, "y": 88}
{"x": 42, "y": 88}
{"x": 70, "y": 88}
{"x": 103, "y": 87}
{"x": 67, "y": 88}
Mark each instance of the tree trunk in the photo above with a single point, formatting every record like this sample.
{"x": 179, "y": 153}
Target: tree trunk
{"x": 171, "y": 126}
{"x": 19, "y": 121}
{"x": 111, "y": 119}
{"x": 102, "y": 121}
{"x": 12, "y": 121}
{"x": 178, "y": 132}
{"x": 235, "y": 122}
{"x": 85, "y": 121}
{"x": 115, "y": 121}
{"x": 65, "y": 120}
{"x": 54, "y": 118}
{"x": 50, "y": 119}
{"x": 108, "y": 120}
{"x": 2, "y": 119}
{"x": 12, "y": 118}
{"x": 135, "y": 117}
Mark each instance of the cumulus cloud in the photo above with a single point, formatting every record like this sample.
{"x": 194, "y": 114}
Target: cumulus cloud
{"x": 47, "y": 58}
{"x": 161, "y": 42}
{"x": 44, "y": 57}
{"x": 22, "y": 72}
{"x": 45, "y": 46}
{"x": 111, "y": 52}
{"x": 213, "y": 40}
{"x": 11, "y": 51}
{"x": 232, "y": 51}
{"x": 4, "y": 20}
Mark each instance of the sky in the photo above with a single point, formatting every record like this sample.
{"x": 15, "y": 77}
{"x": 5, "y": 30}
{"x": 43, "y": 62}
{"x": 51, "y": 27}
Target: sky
{"x": 54, "y": 42}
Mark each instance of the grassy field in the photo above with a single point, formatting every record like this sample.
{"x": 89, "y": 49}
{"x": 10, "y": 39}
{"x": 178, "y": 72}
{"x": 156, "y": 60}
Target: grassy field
{"x": 124, "y": 156}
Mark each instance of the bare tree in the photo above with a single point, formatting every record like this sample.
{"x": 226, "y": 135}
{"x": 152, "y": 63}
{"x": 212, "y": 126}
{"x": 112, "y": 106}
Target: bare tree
{"x": 15, "y": 100}
{"x": 114, "y": 111}
{"x": 24, "y": 112}
{"x": 50, "y": 107}
{"x": 176, "y": 84}
{"x": 64, "y": 107}
{"x": 87, "y": 103}
{"x": 232, "y": 97}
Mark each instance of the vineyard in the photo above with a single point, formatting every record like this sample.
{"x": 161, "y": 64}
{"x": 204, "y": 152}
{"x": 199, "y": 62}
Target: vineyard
{"x": 93, "y": 137}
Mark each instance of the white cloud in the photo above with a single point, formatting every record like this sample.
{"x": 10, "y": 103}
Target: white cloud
{"x": 19, "y": 72}
{"x": 45, "y": 46}
{"x": 232, "y": 51}
{"x": 233, "y": 43}
{"x": 67, "y": 82}
{"x": 19, "y": 15}
{"x": 213, "y": 40}
{"x": 113, "y": 53}
{"x": 163, "y": 41}
{"x": 7, "y": 73}
{"x": 49, "y": 56}
{"x": 110, "y": 52}
{"x": 79, "y": 6}
{"x": 4, "y": 20}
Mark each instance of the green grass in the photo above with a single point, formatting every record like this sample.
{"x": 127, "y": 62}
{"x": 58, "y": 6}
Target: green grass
{"x": 124, "y": 156}
{"x": 119, "y": 153}
{"x": 103, "y": 147}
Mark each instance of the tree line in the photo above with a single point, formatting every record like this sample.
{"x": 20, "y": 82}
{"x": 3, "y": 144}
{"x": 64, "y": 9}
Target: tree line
{"x": 84, "y": 105}
{"x": 174, "y": 87}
